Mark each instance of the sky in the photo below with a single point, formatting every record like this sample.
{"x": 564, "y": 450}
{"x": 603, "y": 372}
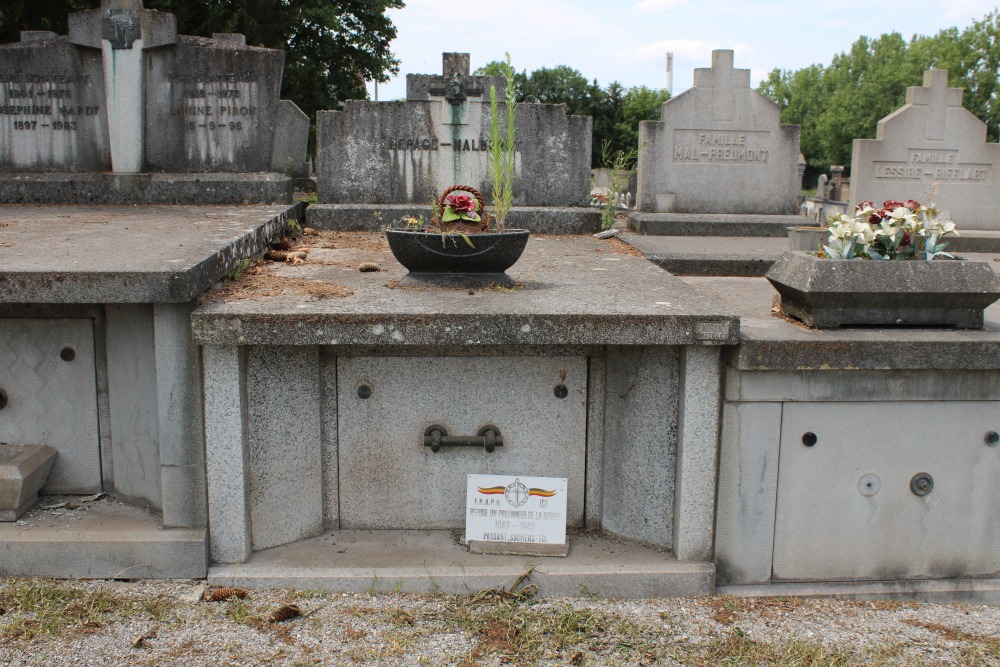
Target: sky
{"x": 627, "y": 41}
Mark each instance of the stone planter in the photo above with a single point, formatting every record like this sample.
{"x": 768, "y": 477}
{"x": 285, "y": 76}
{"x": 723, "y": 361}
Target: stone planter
{"x": 827, "y": 293}
{"x": 807, "y": 239}
{"x": 24, "y": 470}
{"x": 449, "y": 258}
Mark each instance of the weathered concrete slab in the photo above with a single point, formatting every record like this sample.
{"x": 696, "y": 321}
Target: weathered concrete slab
{"x": 710, "y": 255}
{"x": 770, "y": 342}
{"x": 107, "y": 254}
{"x": 968, "y": 591}
{"x": 574, "y": 291}
{"x": 433, "y": 561}
{"x": 373, "y": 218}
{"x": 23, "y": 471}
{"x": 713, "y": 224}
{"x": 751, "y": 256}
{"x": 140, "y": 189}
{"x": 100, "y": 540}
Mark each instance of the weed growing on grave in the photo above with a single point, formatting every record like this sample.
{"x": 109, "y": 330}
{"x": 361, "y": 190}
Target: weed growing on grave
{"x": 240, "y": 266}
{"x": 623, "y": 167}
{"x": 500, "y": 153}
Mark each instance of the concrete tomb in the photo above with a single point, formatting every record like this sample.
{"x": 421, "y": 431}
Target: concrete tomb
{"x": 934, "y": 150}
{"x": 381, "y": 161}
{"x": 719, "y": 147}
{"x": 125, "y": 110}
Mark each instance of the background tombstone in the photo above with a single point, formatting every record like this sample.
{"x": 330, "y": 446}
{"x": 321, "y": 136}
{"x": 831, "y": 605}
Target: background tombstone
{"x": 719, "y": 148}
{"x": 381, "y": 161}
{"x": 934, "y": 150}
{"x": 133, "y": 110}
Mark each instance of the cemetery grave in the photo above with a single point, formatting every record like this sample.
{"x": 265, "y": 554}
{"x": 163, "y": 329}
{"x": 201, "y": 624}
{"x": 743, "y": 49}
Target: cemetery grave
{"x": 314, "y": 423}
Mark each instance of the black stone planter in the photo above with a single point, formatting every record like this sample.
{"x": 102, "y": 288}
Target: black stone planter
{"x": 830, "y": 293}
{"x": 448, "y": 258}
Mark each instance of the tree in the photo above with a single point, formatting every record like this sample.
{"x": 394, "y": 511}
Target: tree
{"x": 332, "y": 47}
{"x": 639, "y": 103}
{"x": 49, "y": 15}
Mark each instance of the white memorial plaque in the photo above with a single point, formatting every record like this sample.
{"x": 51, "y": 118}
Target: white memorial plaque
{"x": 510, "y": 514}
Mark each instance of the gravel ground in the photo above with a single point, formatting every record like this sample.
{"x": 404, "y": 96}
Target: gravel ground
{"x": 52, "y": 623}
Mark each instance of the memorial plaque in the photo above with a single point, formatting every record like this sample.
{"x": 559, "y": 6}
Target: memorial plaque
{"x": 934, "y": 150}
{"x": 211, "y": 106}
{"x": 510, "y": 514}
{"x": 719, "y": 148}
{"x": 52, "y": 108}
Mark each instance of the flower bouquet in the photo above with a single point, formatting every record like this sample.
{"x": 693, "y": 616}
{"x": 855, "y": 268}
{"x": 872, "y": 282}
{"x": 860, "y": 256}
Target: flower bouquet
{"x": 898, "y": 230}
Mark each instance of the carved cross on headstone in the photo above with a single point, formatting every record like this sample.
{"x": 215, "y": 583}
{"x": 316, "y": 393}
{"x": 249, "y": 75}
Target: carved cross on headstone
{"x": 121, "y": 25}
{"x": 720, "y": 83}
{"x": 454, "y": 85}
{"x": 937, "y": 97}
{"x": 122, "y": 29}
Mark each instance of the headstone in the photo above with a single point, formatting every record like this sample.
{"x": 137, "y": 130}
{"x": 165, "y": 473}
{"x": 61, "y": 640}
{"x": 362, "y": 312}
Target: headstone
{"x": 124, "y": 93}
{"x": 822, "y": 186}
{"x": 934, "y": 150}
{"x": 719, "y": 148}
{"x": 401, "y": 153}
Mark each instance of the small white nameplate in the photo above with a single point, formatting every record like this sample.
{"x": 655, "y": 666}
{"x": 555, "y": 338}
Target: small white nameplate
{"x": 511, "y": 514}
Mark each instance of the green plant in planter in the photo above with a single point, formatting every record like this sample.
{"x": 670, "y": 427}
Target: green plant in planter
{"x": 898, "y": 230}
{"x": 501, "y": 150}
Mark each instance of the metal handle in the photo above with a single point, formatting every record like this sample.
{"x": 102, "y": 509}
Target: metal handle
{"x": 436, "y": 437}
{"x": 3, "y": 399}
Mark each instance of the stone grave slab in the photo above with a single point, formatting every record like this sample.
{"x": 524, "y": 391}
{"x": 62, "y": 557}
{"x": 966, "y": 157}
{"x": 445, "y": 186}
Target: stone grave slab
{"x": 379, "y": 162}
{"x": 719, "y": 147}
{"x": 934, "y": 150}
{"x": 111, "y": 254}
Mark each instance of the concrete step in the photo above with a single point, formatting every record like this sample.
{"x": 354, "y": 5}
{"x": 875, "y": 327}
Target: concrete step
{"x": 751, "y": 256}
{"x": 105, "y": 539}
{"x": 714, "y": 224}
{"x": 433, "y": 561}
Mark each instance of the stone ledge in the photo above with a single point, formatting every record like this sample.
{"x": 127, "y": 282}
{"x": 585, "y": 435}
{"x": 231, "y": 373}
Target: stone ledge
{"x": 108, "y": 540}
{"x": 152, "y": 188}
{"x": 714, "y": 224}
{"x": 411, "y": 561}
{"x": 968, "y": 591}
{"x": 375, "y": 217}
{"x": 127, "y": 254}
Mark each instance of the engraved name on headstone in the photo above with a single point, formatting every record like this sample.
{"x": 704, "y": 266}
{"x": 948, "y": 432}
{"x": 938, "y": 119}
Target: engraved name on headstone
{"x": 934, "y": 150}
{"x": 719, "y": 147}
{"x": 402, "y": 152}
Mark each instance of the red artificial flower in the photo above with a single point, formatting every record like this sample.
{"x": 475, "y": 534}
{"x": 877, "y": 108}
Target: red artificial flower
{"x": 462, "y": 204}
{"x": 891, "y": 204}
{"x": 911, "y": 204}
{"x": 863, "y": 205}
{"x": 878, "y": 216}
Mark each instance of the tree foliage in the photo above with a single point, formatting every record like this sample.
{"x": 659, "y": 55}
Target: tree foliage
{"x": 616, "y": 110}
{"x": 332, "y": 47}
{"x": 844, "y": 100}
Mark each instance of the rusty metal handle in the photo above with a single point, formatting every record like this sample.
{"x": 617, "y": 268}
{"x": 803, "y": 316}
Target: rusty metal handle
{"x": 488, "y": 438}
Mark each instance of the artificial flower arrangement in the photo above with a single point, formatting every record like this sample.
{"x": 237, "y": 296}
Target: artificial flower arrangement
{"x": 898, "y": 230}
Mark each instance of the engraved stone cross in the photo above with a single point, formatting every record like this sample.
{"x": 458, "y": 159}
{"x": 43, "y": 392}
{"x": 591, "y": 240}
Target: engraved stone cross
{"x": 721, "y": 81}
{"x": 122, "y": 29}
{"x": 937, "y": 97}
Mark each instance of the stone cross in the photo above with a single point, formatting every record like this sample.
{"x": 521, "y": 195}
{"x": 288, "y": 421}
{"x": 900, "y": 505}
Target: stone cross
{"x": 720, "y": 82}
{"x": 936, "y": 96}
{"x": 454, "y": 85}
{"x": 122, "y": 29}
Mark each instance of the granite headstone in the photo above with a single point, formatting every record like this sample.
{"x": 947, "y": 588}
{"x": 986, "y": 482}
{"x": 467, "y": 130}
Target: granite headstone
{"x": 934, "y": 150}
{"x": 719, "y": 147}
{"x": 373, "y": 156}
{"x": 124, "y": 96}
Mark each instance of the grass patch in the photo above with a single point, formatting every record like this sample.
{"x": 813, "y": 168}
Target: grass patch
{"x": 41, "y": 608}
